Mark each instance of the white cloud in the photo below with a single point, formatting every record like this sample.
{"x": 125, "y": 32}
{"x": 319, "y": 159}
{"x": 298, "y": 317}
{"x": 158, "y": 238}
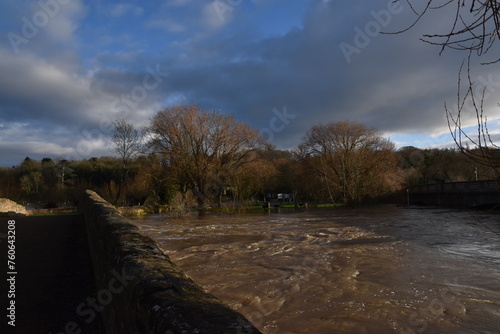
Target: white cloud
{"x": 218, "y": 13}
{"x": 122, "y": 9}
{"x": 62, "y": 110}
{"x": 42, "y": 26}
{"x": 41, "y": 89}
{"x": 62, "y": 26}
{"x": 12, "y": 152}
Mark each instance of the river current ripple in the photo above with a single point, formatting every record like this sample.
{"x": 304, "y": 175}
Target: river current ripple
{"x": 369, "y": 270}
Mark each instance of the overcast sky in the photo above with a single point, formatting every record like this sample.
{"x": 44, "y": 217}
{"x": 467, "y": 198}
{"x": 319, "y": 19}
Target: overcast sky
{"x": 68, "y": 68}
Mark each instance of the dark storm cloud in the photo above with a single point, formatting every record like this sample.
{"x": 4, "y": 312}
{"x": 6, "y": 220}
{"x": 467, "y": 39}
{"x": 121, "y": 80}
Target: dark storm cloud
{"x": 386, "y": 85}
{"x": 31, "y": 89}
{"x": 280, "y": 83}
{"x": 393, "y": 82}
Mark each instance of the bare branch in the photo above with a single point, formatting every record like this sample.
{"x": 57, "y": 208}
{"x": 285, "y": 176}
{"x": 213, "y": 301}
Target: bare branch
{"x": 473, "y": 28}
{"x": 484, "y": 151}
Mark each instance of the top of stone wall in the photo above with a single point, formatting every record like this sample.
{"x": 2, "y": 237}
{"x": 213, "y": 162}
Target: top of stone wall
{"x": 10, "y": 207}
{"x": 156, "y": 296}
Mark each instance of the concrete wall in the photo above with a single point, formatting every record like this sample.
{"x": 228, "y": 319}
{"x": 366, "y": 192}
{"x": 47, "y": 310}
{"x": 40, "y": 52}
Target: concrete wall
{"x": 139, "y": 290}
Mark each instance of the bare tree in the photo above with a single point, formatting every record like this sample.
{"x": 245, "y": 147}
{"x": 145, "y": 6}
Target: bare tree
{"x": 127, "y": 143}
{"x": 350, "y": 157}
{"x": 202, "y": 149}
{"x": 126, "y": 140}
{"x": 475, "y": 24}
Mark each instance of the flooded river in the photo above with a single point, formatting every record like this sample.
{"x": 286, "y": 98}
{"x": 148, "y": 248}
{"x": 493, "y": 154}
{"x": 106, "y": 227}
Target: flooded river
{"x": 376, "y": 270}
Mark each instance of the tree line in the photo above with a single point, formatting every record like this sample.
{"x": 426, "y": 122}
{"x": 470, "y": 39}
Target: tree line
{"x": 189, "y": 156}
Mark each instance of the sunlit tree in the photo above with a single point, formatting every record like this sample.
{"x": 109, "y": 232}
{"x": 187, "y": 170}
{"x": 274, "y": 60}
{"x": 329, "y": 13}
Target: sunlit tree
{"x": 202, "y": 149}
{"x": 352, "y": 159}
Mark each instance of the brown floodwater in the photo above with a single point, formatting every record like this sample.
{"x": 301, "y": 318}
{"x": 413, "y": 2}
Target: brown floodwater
{"x": 369, "y": 270}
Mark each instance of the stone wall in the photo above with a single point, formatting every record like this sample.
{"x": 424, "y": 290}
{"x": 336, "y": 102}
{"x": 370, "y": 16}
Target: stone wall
{"x": 139, "y": 290}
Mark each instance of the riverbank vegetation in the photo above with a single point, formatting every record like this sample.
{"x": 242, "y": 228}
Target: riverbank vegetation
{"x": 190, "y": 157}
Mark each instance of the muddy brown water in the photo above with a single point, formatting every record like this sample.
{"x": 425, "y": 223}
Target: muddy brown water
{"x": 370, "y": 270}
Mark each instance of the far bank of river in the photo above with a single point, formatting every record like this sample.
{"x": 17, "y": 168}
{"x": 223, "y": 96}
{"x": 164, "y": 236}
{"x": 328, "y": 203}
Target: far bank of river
{"x": 367, "y": 270}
